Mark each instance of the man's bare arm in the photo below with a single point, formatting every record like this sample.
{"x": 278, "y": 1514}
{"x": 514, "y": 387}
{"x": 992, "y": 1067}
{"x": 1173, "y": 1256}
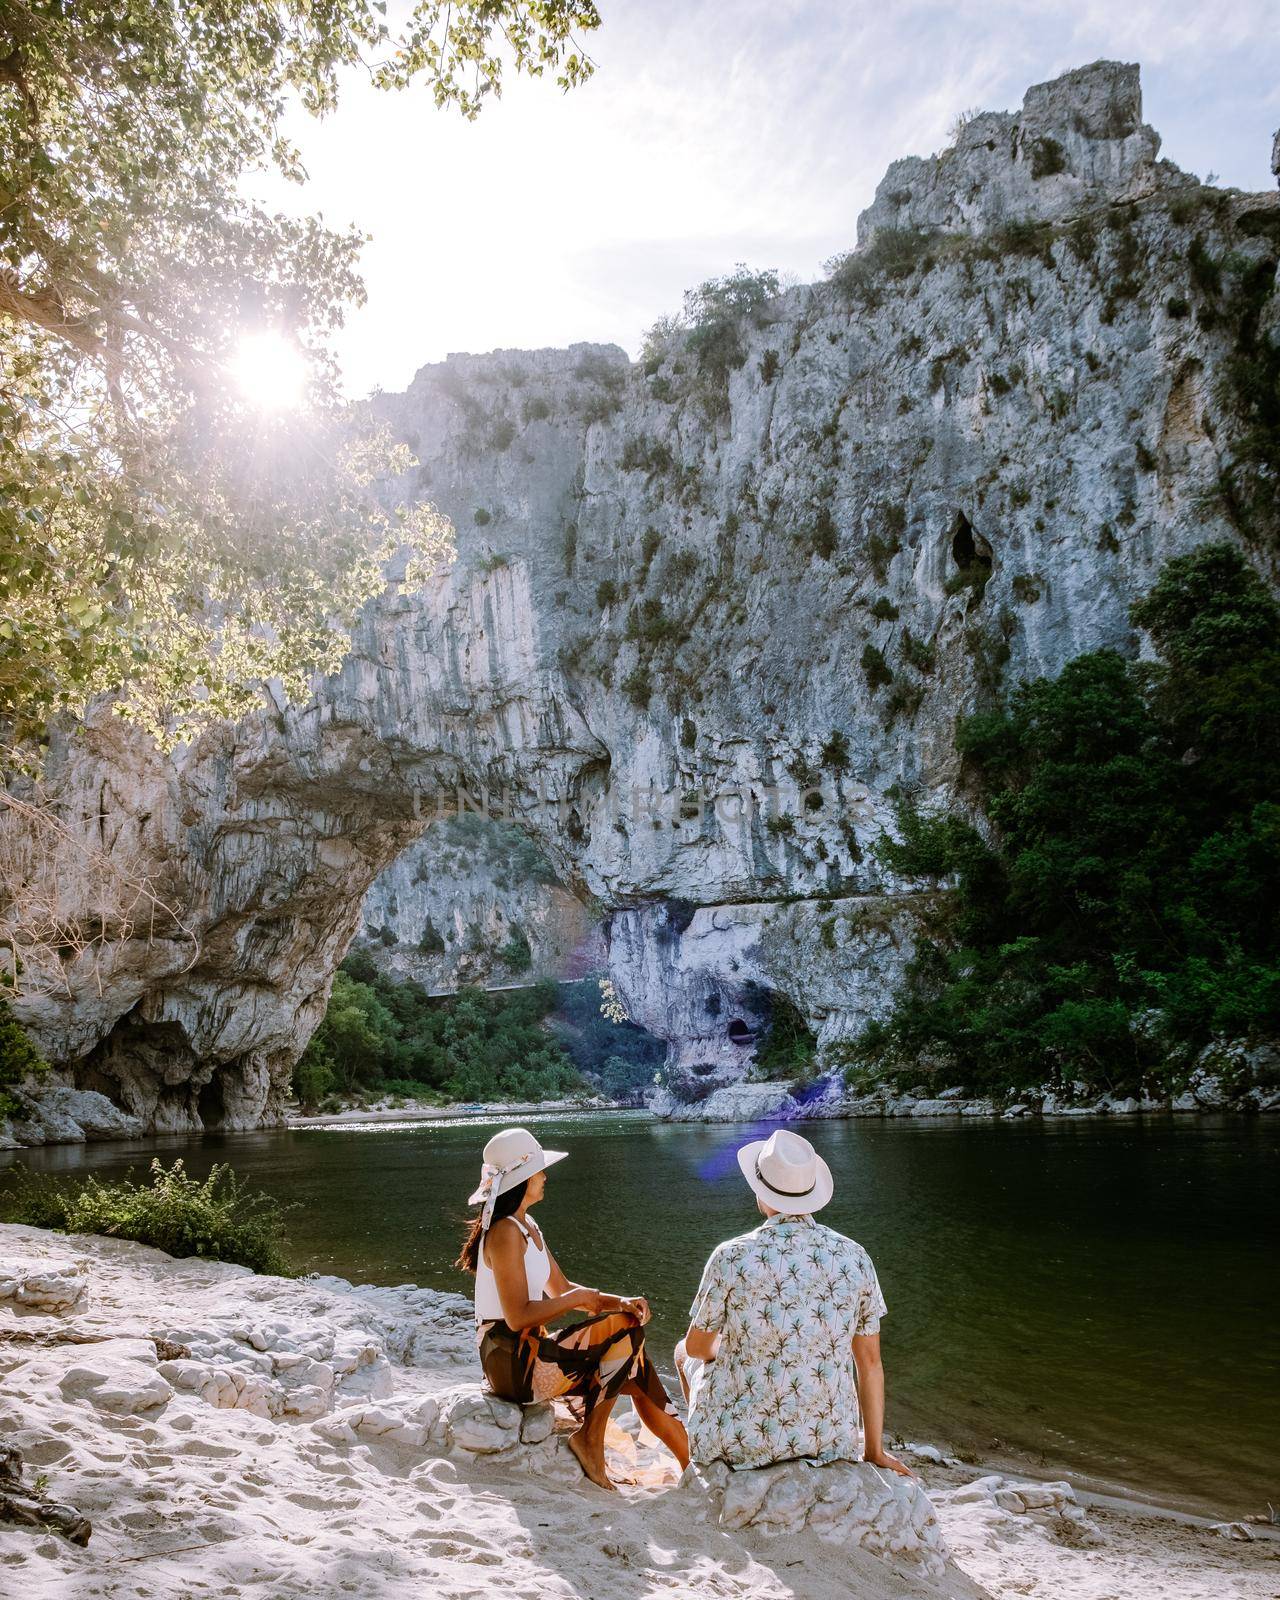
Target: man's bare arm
{"x": 866, "y": 1357}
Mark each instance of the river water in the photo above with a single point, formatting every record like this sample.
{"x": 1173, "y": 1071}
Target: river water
{"x": 1095, "y": 1296}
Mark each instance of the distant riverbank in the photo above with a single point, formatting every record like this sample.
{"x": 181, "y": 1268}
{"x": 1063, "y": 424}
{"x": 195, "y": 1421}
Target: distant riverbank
{"x": 385, "y": 1113}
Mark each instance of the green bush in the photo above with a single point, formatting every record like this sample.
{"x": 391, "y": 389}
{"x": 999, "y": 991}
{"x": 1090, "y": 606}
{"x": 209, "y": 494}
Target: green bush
{"x": 893, "y": 253}
{"x": 713, "y": 310}
{"x": 1047, "y": 157}
{"x": 19, "y": 1059}
{"x": 314, "y": 1080}
{"x": 876, "y": 669}
{"x": 1206, "y": 269}
{"x": 835, "y": 751}
{"x": 824, "y": 538}
{"x": 638, "y": 687}
{"x": 431, "y": 942}
{"x": 649, "y": 456}
{"x": 517, "y": 952}
{"x": 218, "y": 1220}
{"x": 919, "y": 653}
{"x": 606, "y": 1052}
{"x": 1134, "y": 868}
{"x": 788, "y": 1046}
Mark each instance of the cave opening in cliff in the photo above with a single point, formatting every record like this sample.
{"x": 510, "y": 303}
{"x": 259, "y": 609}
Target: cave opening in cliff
{"x": 973, "y": 556}
{"x": 210, "y": 1105}
{"x": 741, "y": 1033}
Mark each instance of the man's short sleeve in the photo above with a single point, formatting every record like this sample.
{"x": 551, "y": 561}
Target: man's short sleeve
{"x": 711, "y": 1300}
{"x": 871, "y": 1306}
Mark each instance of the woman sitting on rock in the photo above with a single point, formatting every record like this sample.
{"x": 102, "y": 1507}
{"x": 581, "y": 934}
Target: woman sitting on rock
{"x": 520, "y": 1288}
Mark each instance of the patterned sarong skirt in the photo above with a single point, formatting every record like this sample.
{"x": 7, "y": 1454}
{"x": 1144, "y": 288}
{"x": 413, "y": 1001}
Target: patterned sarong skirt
{"x": 594, "y": 1359}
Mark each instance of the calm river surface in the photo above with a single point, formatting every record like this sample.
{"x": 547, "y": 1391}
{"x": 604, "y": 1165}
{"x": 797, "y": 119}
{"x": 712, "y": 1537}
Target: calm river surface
{"x": 1096, "y": 1296}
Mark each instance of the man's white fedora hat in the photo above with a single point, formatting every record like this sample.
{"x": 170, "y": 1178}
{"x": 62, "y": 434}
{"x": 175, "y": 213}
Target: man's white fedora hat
{"x": 787, "y": 1173}
{"x": 509, "y": 1158}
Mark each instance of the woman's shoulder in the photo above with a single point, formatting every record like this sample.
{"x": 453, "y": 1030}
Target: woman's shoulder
{"x": 506, "y": 1233}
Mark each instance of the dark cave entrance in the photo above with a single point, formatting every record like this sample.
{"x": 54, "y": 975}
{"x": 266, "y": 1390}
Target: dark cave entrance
{"x": 210, "y": 1106}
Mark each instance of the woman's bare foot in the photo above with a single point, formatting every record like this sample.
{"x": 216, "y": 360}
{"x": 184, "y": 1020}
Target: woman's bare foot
{"x": 591, "y": 1462}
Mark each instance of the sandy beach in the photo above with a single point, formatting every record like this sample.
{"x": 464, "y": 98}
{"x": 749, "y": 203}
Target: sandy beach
{"x": 278, "y": 1441}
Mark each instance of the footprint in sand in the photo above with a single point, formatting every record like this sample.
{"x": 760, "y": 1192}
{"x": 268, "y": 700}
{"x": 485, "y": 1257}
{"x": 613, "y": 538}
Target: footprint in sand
{"x": 457, "y": 1550}
{"x": 316, "y": 1502}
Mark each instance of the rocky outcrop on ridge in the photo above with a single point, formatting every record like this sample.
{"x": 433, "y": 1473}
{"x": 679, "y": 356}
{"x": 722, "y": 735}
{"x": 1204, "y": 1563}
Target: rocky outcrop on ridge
{"x": 705, "y": 621}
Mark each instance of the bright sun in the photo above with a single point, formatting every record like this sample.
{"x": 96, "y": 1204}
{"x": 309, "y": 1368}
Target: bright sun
{"x": 270, "y": 371}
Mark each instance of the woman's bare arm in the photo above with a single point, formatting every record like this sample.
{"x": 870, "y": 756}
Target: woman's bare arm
{"x": 866, "y": 1357}
{"x": 504, "y": 1251}
{"x": 700, "y": 1344}
{"x": 558, "y": 1284}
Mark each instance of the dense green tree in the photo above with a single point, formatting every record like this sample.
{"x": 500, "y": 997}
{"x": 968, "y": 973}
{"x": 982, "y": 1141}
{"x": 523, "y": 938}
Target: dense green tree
{"x": 594, "y": 1040}
{"x": 1124, "y": 910}
{"x": 380, "y": 1032}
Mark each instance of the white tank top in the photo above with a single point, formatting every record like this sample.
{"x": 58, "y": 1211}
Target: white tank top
{"x": 537, "y": 1273}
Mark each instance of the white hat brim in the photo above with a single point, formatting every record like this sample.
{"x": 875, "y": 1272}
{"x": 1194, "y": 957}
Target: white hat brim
{"x": 790, "y": 1205}
{"x": 549, "y": 1159}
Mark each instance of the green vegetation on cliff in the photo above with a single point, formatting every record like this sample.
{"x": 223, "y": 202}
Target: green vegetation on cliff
{"x": 1126, "y": 908}
{"x": 19, "y": 1059}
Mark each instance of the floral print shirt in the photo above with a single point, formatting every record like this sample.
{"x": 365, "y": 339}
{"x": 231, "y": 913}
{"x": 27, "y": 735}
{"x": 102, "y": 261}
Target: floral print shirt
{"x": 786, "y": 1301}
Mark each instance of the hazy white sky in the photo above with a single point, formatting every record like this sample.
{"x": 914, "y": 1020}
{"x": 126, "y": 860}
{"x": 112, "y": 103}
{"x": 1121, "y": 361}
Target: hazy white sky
{"x": 718, "y": 131}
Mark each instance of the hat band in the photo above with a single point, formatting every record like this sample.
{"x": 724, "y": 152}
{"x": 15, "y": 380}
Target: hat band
{"x": 790, "y": 1194}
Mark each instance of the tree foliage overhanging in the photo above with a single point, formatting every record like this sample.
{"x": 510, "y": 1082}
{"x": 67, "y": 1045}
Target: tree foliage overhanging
{"x": 1127, "y": 909}
{"x": 156, "y": 539}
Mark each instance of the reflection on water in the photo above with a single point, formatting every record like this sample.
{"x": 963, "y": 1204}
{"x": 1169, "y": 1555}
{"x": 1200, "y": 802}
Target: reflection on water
{"x": 1097, "y": 1295}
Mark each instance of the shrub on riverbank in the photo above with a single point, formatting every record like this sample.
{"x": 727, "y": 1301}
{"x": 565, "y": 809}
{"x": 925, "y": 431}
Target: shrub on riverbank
{"x": 218, "y": 1220}
{"x": 1125, "y": 910}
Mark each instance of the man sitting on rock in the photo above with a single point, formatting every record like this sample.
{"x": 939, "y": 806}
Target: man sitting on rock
{"x": 782, "y": 1317}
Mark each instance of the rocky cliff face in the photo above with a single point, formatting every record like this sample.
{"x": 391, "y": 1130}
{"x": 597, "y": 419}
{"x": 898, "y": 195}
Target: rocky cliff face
{"x": 706, "y": 617}
{"x": 473, "y": 901}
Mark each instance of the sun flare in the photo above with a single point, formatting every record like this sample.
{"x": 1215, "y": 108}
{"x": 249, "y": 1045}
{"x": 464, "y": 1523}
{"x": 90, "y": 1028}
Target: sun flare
{"x": 270, "y": 371}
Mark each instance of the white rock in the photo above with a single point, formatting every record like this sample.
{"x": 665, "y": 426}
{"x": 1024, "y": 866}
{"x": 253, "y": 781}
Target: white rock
{"x": 307, "y": 1402}
{"x": 48, "y": 1286}
{"x": 926, "y": 1452}
{"x": 119, "y": 1375}
{"x": 482, "y": 1423}
{"x": 1232, "y": 1530}
{"x": 851, "y": 1504}
{"x": 537, "y": 1424}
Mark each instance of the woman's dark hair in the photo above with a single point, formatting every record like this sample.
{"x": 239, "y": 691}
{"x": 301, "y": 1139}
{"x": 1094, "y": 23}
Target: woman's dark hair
{"x": 506, "y": 1205}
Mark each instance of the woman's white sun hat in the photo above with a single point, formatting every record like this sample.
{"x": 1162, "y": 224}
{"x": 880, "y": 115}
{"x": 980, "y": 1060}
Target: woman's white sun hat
{"x": 787, "y": 1173}
{"x": 509, "y": 1158}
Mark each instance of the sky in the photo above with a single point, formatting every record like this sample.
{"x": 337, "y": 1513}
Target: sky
{"x": 715, "y": 132}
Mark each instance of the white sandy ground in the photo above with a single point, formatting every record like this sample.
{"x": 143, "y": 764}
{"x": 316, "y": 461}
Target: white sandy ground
{"x": 215, "y": 1491}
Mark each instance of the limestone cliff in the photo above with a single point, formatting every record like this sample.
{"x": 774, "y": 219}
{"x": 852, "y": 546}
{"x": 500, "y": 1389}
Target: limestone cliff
{"x": 473, "y": 901}
{"x": 705, "y": 618}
